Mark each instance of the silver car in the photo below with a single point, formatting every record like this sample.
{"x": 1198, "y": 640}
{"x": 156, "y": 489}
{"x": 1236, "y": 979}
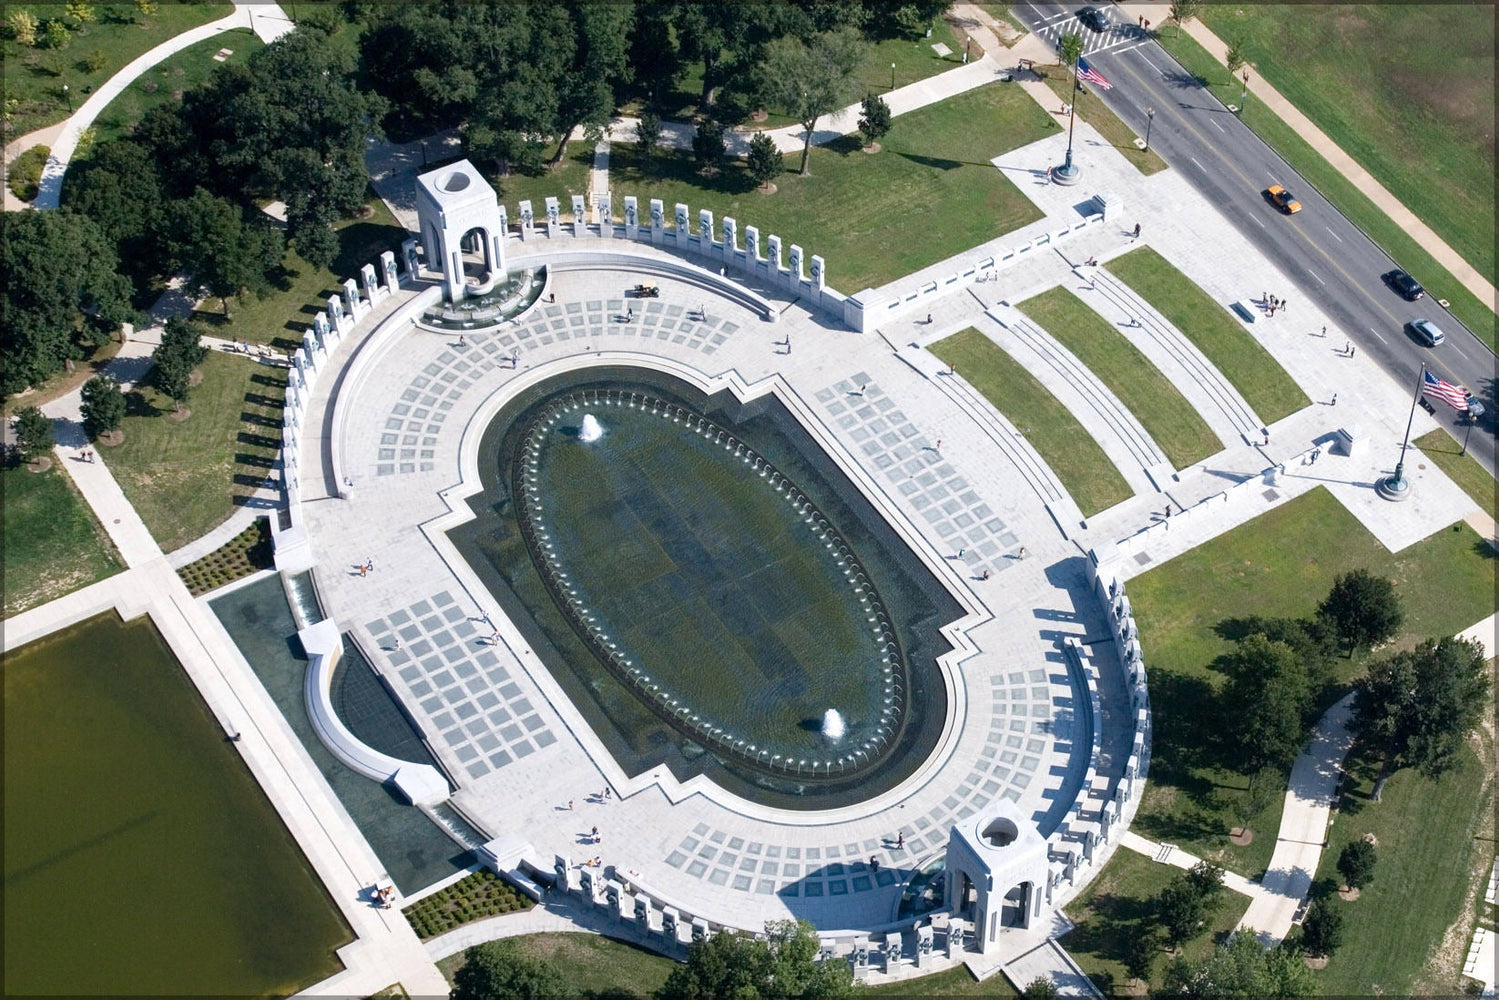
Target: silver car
{"x": 1427, "y": 332}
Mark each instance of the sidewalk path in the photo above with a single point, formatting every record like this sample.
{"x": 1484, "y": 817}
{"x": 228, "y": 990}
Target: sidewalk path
{"x": 268, "y": 22}
{"x": 1376, "y": 192}
{"x": 1310, "y": 796}
{"x": 1170, "y": 854}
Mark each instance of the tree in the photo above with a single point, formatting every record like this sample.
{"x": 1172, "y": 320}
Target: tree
{"x": 209, "y": 237}
{"x": 812, "y": 79}
{"x": 708, "y": 144}
{"x": 119, "y": 188}
{"x": 1070, "y": 50}
{"x": 1040, "y": 988}
{"x": 145, "y": 7}
{"x": 103, "y": 406}
{"x": 311, "y": 230}
{"x": 783, "y": 965}
{"x": 1241, "y": 967}
{"x": 1181, "y": 910}
{"x": 1415, "y": 708}
{"x": 179, "y": 352}
{"x": 81, "y": 13}
{"x": 1234, "y": 57}
{"x": 1184, "y": 10}
{"x": 648, "y": 135}
{"x": 1139, "y": 954}
{"x": 598, "y": 63}
{"x": 1322, "y": 930}
{"x": 57, "y": 34}
{"x": 1362, "y": 608}
{"x": 22, "y": 24}
{"x": 874, "y": 119}
{"x": 498, "y": 969}
{"x": 63, "y": 292}
{"x": 1356, "y": 864}
{"x": 33, "y": 433}
{"x": 1270, "y": 695}
{"x": 1264, "y": 785}
{"x": 1206, "y": 878}
{"x": 765, "y": 160}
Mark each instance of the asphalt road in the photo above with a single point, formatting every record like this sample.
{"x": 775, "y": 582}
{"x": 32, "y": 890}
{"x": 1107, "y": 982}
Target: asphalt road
{"x": 1330, "y": 260}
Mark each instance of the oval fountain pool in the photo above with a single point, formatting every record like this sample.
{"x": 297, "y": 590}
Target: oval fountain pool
{"x": 709, "y": 589}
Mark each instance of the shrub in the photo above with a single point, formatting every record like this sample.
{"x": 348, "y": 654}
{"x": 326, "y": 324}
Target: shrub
{"x": 21, "y": 25}
{"x": 33, "y": 433}
{"x": 96, "y": 61}
{"x": 26, "y": 172}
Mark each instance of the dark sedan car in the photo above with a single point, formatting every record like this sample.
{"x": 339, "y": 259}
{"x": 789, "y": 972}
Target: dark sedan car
{"x": 1094, "y": 18}
{"x": 1409, "y": 288}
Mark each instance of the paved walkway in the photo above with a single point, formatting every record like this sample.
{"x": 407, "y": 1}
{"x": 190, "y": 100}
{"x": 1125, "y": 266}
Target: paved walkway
{"x": 267, "y": 20}
{"x": 1310, "y": 796}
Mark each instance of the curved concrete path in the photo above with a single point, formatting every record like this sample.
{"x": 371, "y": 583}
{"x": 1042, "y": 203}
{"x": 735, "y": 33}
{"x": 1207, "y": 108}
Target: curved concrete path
{"x": 268, "y": 22}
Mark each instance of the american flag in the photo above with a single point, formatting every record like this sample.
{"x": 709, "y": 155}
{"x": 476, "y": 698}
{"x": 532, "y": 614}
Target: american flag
{"x": 1086, "y": 72}
{"x": 1453, "y": 395}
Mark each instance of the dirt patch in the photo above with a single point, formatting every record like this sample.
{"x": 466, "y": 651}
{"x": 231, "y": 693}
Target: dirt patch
{"x": 39, "y": 464}
{"x": 195, "y": 377}
{"x": 1348, "y": 895}
{"x": 1241, "y": 836}
{"x": 873, "y": 147}
{"x": 759, "y": 116}
{"x": 769, "y": 187}
{"x": 1317, "y": 962}
{"x": 1369, "y": 838}
{"x": 179, "y": 414}
{"x": 111, "y": 439}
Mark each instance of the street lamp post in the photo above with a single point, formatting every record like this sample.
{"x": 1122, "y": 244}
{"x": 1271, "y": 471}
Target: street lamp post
{"x": 892, "y": 76}
{"x": 1149, "y": 120}
{"x": 1475, "y": 410}
{"x": 67, "y": 97}
{"x": 1244, "y": 92}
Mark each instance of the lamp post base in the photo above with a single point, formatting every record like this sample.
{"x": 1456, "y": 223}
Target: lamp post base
{"x": 1068, "y": 173}
{"x": 1396, "y": 488}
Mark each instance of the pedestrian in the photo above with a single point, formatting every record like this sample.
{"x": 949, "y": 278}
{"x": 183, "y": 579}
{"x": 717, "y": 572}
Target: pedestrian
{"x": 986, "y": 574}
{"x": 552, "y": 298}
{"x": 1140, "y": 20}
{"x": 1348, "y": 348}
{"x": 900, "y": 841}
{"x": 1168, "y": 510}
{"x": 608, "y": 792}
{"x": 462, "y": 340}
{"x": 1324, "y": 331}
{"x": 961, "y": 551}
{"x": 1022, "y": 551}
{"x": 929, "y": 319}
{"x": 1137, "y": 230}
{"x": 569, "y": 805}
{"x": 1267, "y": 435}
{"x": 1334, "y": 400}
{"x": 1282, "y": 305}
{"x": 370, "y": 564}
{"x": 862, "y": 387}
{"x": 939, "y": 445}
{"x": 363, "y": 570}
{"x": 874, "y": 863}
{"x": 1351, "y": 350}
{"x": 515, "y": 358}
{"x": 595, "y": 835}
{"x": 1272, "y": 307}
{"x": 397, "y": 646}
{"x": 965, "y": 57}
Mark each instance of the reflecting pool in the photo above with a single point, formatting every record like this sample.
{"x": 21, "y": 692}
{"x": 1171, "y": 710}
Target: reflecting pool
{"x": 709, "y": 588}
{"x": 141, "y": 856}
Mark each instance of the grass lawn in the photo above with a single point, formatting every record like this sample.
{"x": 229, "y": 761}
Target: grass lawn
{"x": 566, "y": 179}
{"x": 1077, "y": 459}
{"x": 34, "y": 77}
{"x": 863, "y": 212}
{"x": 53, "y": 543}
{"x": 594, "y": 966}
{"x": 954, "y": 982}
{"x": 185, "y": 477}
{"x": 171, "y": 77}
{"x": 1181, "y": 433}
{"x": 1446, "y": 454}
{"x": 1407, "y": 91}
{"x": 1421, "y": 881}
{"x": 1109, "y": 125}
{"x": 283, "y": 316}
{"x": 1252, "y": 370}
{"x": 1476, "y": 314}
{"x": 1117, "y": 907}
{"x": 1280, "y": 564}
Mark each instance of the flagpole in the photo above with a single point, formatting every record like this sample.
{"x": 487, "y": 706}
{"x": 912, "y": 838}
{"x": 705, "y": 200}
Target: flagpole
{"x": 1067, "y": 173}
{"x": 1395, "y": 487}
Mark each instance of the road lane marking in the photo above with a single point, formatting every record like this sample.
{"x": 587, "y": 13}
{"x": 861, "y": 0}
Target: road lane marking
{"x": 1219, "y": 128}
{"x": 1153, "y": 66}
{"x": 1199, "y": 166}
{"x": 1258, "y": 222}
{"x": 1376, "y": 333}
{"x": 1314, "y": 274}
{"x": 1333, "y": 234}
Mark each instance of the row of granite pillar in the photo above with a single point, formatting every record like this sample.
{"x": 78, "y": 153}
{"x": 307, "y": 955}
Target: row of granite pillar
{"x": 318, "y": 343}
{"x": 601, "y": 888}
{"x": 800, "y": 275}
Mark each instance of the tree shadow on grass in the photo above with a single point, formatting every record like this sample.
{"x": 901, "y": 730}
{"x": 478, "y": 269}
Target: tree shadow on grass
{"x": 136, "y": 405}
{"x": 936, "y": 162}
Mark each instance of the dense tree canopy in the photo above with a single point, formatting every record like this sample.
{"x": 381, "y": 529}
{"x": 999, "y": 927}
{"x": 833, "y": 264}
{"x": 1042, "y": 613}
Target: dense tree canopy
{"x": 783, "y": 966}
{"x": 102, "y": 406}
{"x": 814, "y": 78}
{"x": 180, "y": 351}
{"x": 498, "y": 969}
{"x": 1362, "y": 608}
{"x": 1270, "y": 694}
{"x": 1241, "y": 968}
{"x": 1415, "y": 708}
{"x": 61, "y": 291}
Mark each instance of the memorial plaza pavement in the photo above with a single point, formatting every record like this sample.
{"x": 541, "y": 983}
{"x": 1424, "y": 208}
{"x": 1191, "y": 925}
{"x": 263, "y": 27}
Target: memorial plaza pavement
{"x": 882, "y": 402}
